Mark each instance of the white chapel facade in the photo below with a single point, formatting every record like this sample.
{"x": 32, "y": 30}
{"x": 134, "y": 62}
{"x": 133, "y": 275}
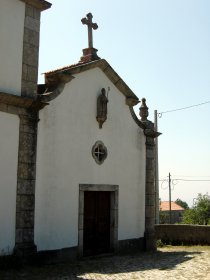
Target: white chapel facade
{"x": 77, "y": 164}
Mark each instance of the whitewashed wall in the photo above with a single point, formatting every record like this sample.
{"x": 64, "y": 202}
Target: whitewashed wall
{"x": 9, "y": 138}
{"x": 67, "y": 131}
{"x": 12, "y": 14}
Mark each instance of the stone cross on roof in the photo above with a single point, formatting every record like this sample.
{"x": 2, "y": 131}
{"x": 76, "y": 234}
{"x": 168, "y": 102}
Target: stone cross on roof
{"x": 91, "y": 25}
{"x": 90, "y": 53}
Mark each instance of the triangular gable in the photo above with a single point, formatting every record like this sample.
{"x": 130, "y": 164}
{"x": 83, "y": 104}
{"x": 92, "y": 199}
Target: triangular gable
{"x": 52, "y": 77}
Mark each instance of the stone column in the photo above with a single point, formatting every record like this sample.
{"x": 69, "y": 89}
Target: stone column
{"x": 30, "y": 52}
{"x": 151, "y": 134}
{"x": 30, "y": 57}
{"x": 25, "y": 202}
{"x": 150, "y": 190}
{"x": 25, "y": 197}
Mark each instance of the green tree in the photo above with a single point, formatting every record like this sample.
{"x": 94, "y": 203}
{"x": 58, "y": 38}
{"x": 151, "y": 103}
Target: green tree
{"x": 182, "y": 203}
{"x": 163, "y": 217}
{"x": 199, "y": 214}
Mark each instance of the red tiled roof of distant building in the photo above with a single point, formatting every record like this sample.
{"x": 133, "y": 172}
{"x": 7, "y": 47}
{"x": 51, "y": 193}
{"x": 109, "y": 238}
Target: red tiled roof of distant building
{"x": 164, "y": 206}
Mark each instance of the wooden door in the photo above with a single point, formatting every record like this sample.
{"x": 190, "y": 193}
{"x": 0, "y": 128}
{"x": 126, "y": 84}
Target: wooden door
{"x": 96, "y": 234}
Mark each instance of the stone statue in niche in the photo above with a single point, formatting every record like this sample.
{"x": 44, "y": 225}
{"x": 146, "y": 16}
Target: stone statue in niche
{"x": 102, "y": 101}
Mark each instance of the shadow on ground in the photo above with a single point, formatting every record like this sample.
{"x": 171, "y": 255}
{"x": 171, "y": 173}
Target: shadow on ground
{"x": 101, "y": 265}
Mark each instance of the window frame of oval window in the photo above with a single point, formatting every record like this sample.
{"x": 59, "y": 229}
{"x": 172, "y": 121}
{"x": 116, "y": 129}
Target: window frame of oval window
{"x": 97, "y": 143}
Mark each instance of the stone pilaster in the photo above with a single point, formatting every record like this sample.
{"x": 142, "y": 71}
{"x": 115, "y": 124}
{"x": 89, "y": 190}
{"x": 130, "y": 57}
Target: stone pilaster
{"x": 25, "y": 202}
{"x": 30, "y": 52}
{"x": 150, "y": 191}
{"x": 151, "y": 134}
{"x": 27, "y": 107}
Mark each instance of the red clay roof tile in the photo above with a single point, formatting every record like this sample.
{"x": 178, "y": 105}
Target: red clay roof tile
{"x": 164, "y": 206}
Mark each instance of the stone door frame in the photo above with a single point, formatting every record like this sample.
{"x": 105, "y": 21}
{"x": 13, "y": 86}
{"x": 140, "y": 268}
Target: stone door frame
{"x": 114, "y": 191}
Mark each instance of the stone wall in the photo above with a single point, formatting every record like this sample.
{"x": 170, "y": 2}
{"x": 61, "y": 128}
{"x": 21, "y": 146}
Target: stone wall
{"x": 183, "y": 234}
{"x": 176, "y": 216}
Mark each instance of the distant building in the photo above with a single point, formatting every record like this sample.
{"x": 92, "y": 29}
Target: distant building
{"x": 176, "y": 212}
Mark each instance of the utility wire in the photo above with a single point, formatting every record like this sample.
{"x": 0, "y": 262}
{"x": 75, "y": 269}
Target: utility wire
{"x": 202, "y": 176}
{"x": 183, "y": 108}
{"x": 189, "y": 180}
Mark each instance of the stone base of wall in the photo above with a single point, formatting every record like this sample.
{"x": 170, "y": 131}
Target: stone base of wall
{"x": 131, "y": 245}
{"x": 10, "y": 262}
{"x": 56, "y": 256}
{"x": 70, "y": 254}
{"x": 127, "y": 246}
{"x": 183, "y": 234}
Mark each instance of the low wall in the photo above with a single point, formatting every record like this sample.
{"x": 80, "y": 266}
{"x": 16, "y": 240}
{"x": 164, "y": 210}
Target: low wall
{"x": 183, "y": 234}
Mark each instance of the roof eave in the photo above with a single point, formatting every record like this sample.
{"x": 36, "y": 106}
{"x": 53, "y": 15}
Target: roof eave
{"x": 39, "y": 4}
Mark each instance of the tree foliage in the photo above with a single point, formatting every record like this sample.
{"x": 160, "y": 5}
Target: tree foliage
{"x": 199, "y": 214}
{"x": 182, "y": 203}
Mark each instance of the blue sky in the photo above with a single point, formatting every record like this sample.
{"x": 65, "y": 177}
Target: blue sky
{"x": 161, "y": 49}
